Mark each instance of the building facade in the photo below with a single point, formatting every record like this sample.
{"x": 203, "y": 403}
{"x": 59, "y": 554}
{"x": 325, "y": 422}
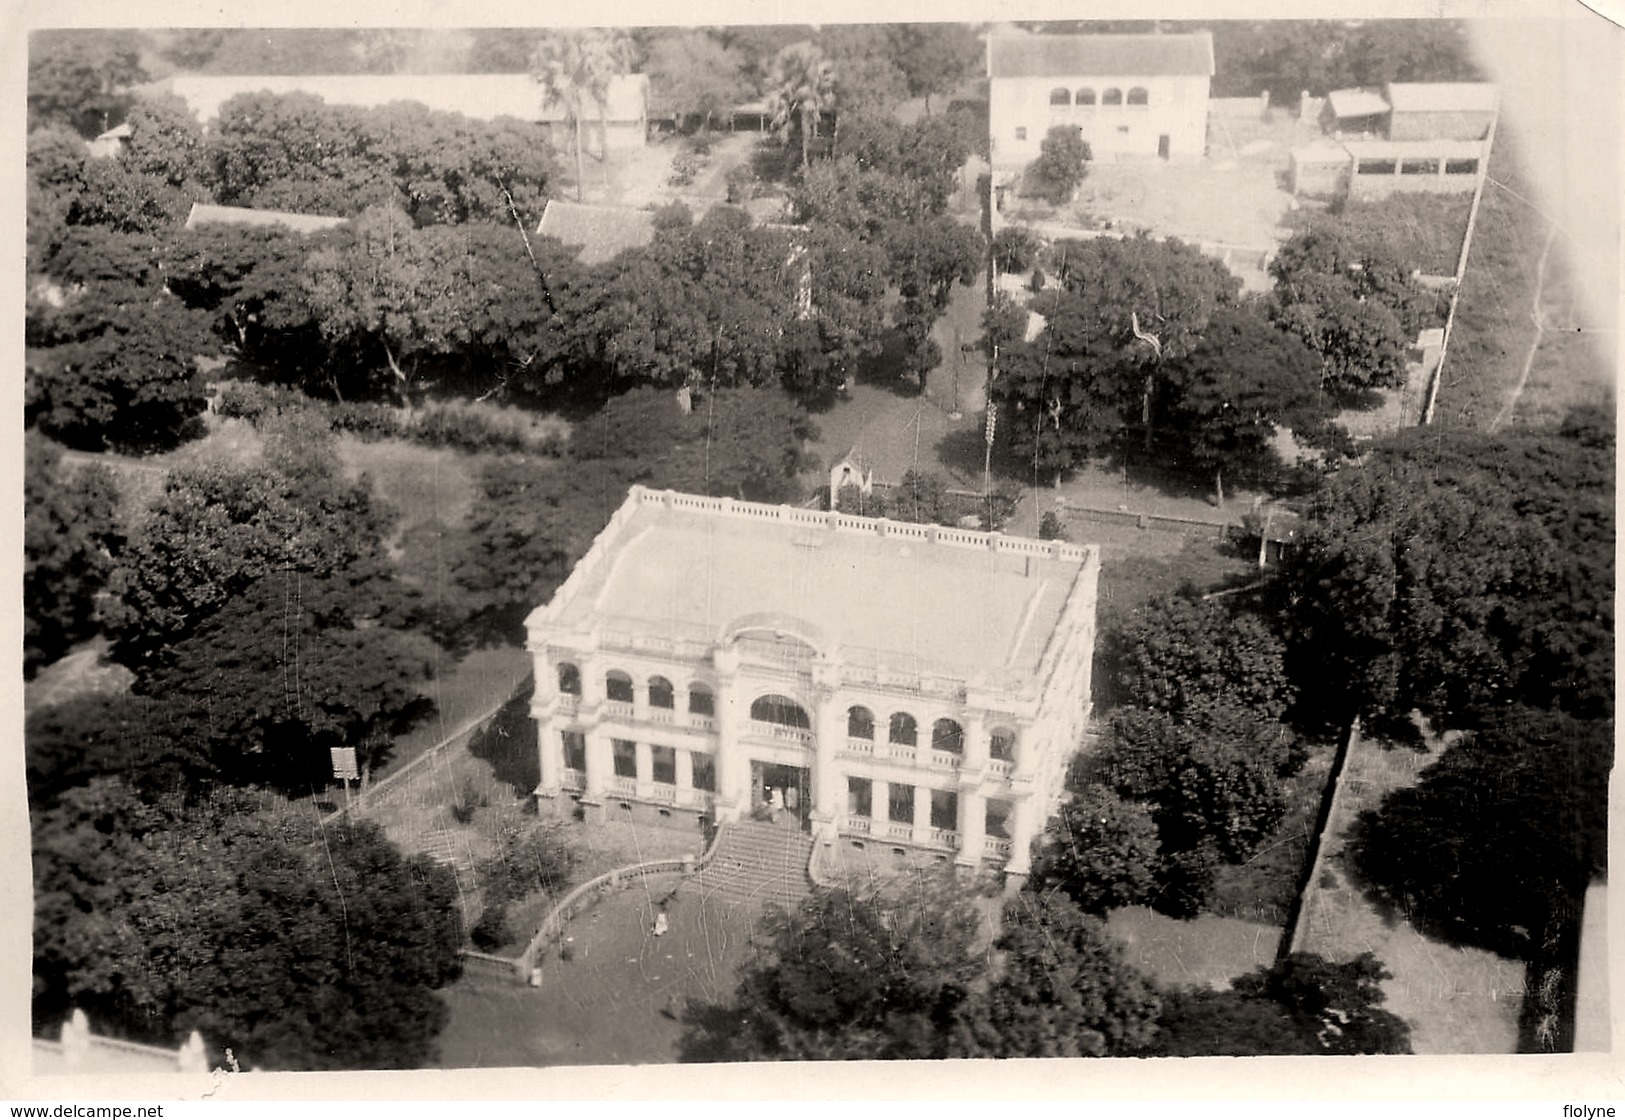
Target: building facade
{"x": 1127, "y": 95}
{"x": 893, "y": 687}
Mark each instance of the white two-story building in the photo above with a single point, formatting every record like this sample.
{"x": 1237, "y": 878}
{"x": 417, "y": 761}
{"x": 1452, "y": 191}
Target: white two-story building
{"x": 1127, "y": 95}
{"x": 913, "y": 688}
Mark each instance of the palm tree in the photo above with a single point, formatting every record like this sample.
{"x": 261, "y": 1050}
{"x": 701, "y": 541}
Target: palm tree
{"x": 573, "y": 66}
{"x": 801, "y": 85}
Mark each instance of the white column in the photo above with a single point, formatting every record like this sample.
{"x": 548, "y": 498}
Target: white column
{"x": 829, "y": 801}
{"x": 1021, "y": 837}
{"x": 600, "y": 764}
{"x": 977, "y": 729}
{"x": 879, "y": 807}
{"x": 549, "y": 757}
{"x": 731, "y": 769}
{"x": 922, "y": 815}
{"x": 972, "y": 827}
{"x": 685, "y": 770}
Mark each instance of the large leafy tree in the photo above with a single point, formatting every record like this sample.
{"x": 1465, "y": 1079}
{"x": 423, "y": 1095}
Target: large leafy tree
{"x": 1242, "y": 383}
{"x": 1100, "y": 850}
{"x": 695, "y": 75}
{"x": 1062, "y": 988}
{"x": 284, "y": 673}
{"x": 70, "y": 537}
{"x": 848, "y": 976}
{"x": 1127, "y": 307}
{"x": 112, "y": 353}
{"x": 81, "y": 78}
{"x": 217, "y": 529}
{"x": 1353, "y": 305}
{"x": 800, "y": 89}
{"x": 296, "y": 944}
{"x": 1456, "y": 573}
{"x": 1304, "y": 1004}
{"x": 1061, "y": 166}
{"x": 936, "y": 58}
{"x": 1177, "y": 653}
{"x": 1513, "y": 817}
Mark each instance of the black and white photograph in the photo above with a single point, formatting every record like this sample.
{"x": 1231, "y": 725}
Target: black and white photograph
{"x": 687, "y": 539}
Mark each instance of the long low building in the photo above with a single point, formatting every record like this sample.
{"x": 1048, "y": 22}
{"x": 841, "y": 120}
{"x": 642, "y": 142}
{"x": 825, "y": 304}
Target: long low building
{"x": 914, "y": 688}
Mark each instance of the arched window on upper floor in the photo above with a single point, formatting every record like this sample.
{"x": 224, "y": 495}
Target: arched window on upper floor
{"x": 860, "y": 723}
{"x": 701, "y": 701}
{"x": 618, "y": 686}
{"x": 1086, "y": 96}
{"x": 661, "y": 693}
{"x": 1060, "y": 96}
{"x": 569, "y": 679}
{"x": 946, "y": 735}
{"x": 1112, "y": 96}
{"x": 1139, "y": 95}
{"x": 903, "y": 731}
{"x": 780, "y": 710}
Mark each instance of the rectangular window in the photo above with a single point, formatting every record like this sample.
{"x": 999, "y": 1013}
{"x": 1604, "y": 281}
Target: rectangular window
{"x": 859, "y": 797}
{"x": 1461, "y": 167}
{"x": 626, "y": 758}
{"x": 1419, "y": 167}
{"x": 575, "y": 750}
{"x": 665, "y": 765}
{"x": 705, "y": 772}
{"x": 900, "y": 804}
{"x": 944, "y": 809}
{"x": 997, "y": 822}
{"x": 701, "y": 702}
{"x": 1021, "y": 134}
{"x": 1375, "y": 167}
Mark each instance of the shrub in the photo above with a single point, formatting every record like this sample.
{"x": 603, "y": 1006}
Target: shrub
{"x": 742, "y": 184}
{"x": 1060, "y": 167}
{"x": 537, "y": 859}
{"x": 1015, "y": 249}
{"x": 251, "y": 401}
{"x": 472, "y": 426}
{"x": 366, "y": 420}
{"x": 1051, "y": 527}
{"x": 491, "y": 931}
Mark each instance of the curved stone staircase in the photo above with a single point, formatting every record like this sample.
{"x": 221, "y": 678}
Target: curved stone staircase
{"x": 757, "y": 863}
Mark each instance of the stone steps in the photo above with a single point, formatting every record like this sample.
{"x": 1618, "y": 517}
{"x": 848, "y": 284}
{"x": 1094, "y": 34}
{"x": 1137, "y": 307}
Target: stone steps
{"x": 758, "y": 863}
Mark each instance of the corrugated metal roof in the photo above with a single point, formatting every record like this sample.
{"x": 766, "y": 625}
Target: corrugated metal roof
{"x": 1442, "y": 97}
{"x": 600, "y": 231}
{"x": 1125, "y": 56}
{"x": 478, "y": 96}
{"x": 1356, "y": 103}
{"x": 204, "y": 212}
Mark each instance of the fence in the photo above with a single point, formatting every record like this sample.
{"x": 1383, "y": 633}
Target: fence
{"x": 579, "y": 898}
{"x": 1302, "y": 908}
{"x": 1163, "y": 521}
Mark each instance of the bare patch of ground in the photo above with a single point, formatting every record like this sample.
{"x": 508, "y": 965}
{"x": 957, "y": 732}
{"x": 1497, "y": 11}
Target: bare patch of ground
{"x": 1208, "y": 951}
{"x": 1457, "y": 1000}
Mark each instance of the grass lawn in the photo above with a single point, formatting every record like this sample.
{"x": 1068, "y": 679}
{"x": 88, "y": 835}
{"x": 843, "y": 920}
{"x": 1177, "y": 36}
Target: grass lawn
{"x": 1421, "y": 231}
{"x": 616, "y": 999}
{"x": 1495, "y": 322}
{"x": 1457, "y": 1000}
{"x": 1208, "y": 951}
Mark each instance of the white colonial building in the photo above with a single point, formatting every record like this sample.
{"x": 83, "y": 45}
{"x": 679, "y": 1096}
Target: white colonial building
{"x": 1125, "y": 94}
{"x": 907, "y": 689}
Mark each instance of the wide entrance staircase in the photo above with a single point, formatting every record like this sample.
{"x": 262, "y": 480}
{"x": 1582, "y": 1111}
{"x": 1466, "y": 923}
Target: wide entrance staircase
{"x": 757, "y": 863}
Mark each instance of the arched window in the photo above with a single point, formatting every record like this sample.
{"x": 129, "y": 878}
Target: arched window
{"x": 661, "y": 694}
{"x": 860, "y": 723}
{"x": 946, "y": 735}
{"x": 569, "y": 679}
{"x": 618, "y": 686}
{"x": 1059, "y": 96}
{"x": 780, "y": 710}
{"x": 1086, "y": 96}
{"x": 1002, "y": 744}
{"x": 1112, "y": 97}
{"x": 700, "y": 701}
{"x": 903, "y": 730}
{"x": 1139, "y": 96}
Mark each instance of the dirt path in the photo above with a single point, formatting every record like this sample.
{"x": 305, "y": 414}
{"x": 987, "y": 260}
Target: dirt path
{"x": 1536, "y": 316}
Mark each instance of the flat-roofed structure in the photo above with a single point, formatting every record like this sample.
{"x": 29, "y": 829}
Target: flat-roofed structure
{"x": 207, "y": 213}
{"x": 599, "y": 233}
{"x": 1127, "y": 95}
{"x": 905, "y": 686}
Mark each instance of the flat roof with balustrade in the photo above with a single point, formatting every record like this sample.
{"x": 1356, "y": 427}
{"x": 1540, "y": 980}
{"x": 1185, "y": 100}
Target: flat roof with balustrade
{"x": 917, "y": 598}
